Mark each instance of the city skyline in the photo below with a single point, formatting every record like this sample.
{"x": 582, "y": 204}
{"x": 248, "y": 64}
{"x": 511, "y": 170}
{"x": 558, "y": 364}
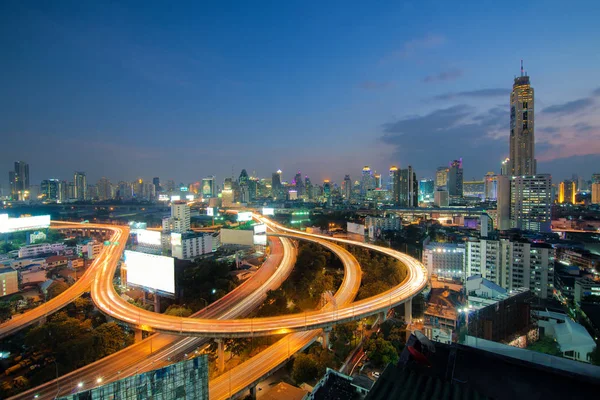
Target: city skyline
{"x": 294, "y": 97}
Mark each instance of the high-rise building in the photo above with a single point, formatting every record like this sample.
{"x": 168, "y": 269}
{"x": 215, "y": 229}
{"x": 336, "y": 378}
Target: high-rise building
{"x": 491, "y": 186}
{"x": 505, "y": 167}
{"x": 530, "y": 202}
{"x": 394, "y": 184}
{"x": 595, "y": 193}
{"x": 347, "y": 188}
{"x": 104, "y": 189}
{"x": 566, "y": 192}
{"x": 19, "y": 180}
{"x": 308, "y": 187}
{"x": 227, "y": 193}
{"x": 156, "y": 183}
{"x": 441, "y": 178}
{"x": 522, "y": 138}
{"x": 243, "y": 179}
{"x": 595, "y": 178}
{"x": 503, "y": 202}
{"x": 408, "y": 188}
{"x": 276, "y": 186}
{"x": 208, "y": 187}
{"x": 367, "y": 181}
{"x": 180, "y": 217}
{"x": 455, "y": 178}
{"x": 378, "y": 181}
{"x": 474, "y": 189}
{"x": 80, "y": 182}
{"x": 426, "y": 190}
{"x": 50, "y": 189}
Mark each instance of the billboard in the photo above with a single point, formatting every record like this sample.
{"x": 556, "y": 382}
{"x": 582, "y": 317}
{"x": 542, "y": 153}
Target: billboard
{"x": 210, "y": 211}
{"x": 260, "y": 228}
{"x": 8, "y": 225}
{"x": 175, "y": 198}
{"x": 175, "y": 239}
{"x": 234, "y": 236}
{"x": 358, "y": 229}
{"x": 148, "y": 237}
{"x": 268, "y": 211}
{"x": 244, "y": 216}
{"x": 163, "y": 197}
{"x": 260, "y": 240}
{"x": 189, "y": 197}
{"x": 150, "y": 271}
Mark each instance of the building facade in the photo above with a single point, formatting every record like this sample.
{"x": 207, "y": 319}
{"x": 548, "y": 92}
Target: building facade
{"x": 531, "y": 202}
{"x": 522, "y": 137}
{"x": 444, "y": 259}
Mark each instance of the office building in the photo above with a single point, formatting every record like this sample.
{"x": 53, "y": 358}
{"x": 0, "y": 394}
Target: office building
{"x": 156, "y": 183}
{"x": 440, "y": 198}
{"x": 595, "y": 193}
{"x": 9, "y": 281}
{"x": 50, "y": 189}
{"x": 208, "y": 187}
{"x": 426, "y": 190}
{"x": 474, "y": 189}
{"x": 80, "y": 182}
{"x": 522, "y": 137}
{"x": 408, "y": 188}
{"x": 441, "y": 178}
{"x": 444, "y": 259}
{"x": 377, "y": 225}
{"x": 483, "y": 258}
{"x": 394, "y": 184}
{"x": 190, "y": 245}
{"x": 346, "y": 188}
{"x": 367, "y": 181}
{"x": 104, "y": 189}
{"x": 19, "y": 180}
{"x": 277, "y": 186}
{"x": 455, "y": 178}
{"x": 491, "y": 186}
{"x": 125, "y": 190}
{"x": 503, "y": 202}
{"x": 531, "y": 202}
{"x": 180, "y": 217}
{"x": 566, "y": 192}
{"x": 227, "y": 193}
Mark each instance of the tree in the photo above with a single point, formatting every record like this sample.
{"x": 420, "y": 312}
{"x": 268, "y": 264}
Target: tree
{"x": 5, "y": 312}
{"x": 547, "y": 345}
{"x": 305, "y": 368}
{"x": 56, "y": 288}
{"x": 110, "y": 338}
{"x": 380, "y": 351}
{"x": 594, "y": 356}
{"x": 178, "y": 311}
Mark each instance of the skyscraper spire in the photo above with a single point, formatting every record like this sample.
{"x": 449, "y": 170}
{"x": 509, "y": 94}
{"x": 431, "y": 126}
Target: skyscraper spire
{"x": 521, "y": 67}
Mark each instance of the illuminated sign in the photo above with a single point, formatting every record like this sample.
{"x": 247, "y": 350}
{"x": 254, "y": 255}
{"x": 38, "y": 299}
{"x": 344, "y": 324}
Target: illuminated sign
{"x": 244, "y": 216}
{"x": 137, "y": 225}
{"x": 189, "y": 197}
{"x": 175, "y": 198}
{"x": 268, "y": 211}
{"x": 8, "y": 225}
{"x": 210, "y": 211}
{"x": 163, "y": 197}
{"x": 260, "y": 240}
{"x": 183, "y": 189}
{"x": 152, "y": 238}
{"x": 150, "y": 271}
{"x": 175, "y": 239}
{"x": 260, "y": 228}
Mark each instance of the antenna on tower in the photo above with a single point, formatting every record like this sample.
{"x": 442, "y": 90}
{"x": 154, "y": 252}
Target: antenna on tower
{"x": 521, "y": 67}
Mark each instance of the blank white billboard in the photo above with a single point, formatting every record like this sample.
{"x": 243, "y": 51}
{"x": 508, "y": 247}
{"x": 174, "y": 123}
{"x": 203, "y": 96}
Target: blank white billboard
{"x": 260, "y": 239}
{"x": 150, "y": 271}
{"x": 152, "y": 238}
{"x": 210, "y": 211}
{"x": 244, "y": 216}
{"x": 23, "y": 224}
{"x": 268, "y": 211}
{"x": 355, "y": 228}
{"x": 175, "y": 198}
{"x": 260, "y": 228}
{"x": 233, "y": 236}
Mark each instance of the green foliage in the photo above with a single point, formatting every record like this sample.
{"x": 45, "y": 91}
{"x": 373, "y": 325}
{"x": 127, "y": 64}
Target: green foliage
{"x": 199, "y": 280}
{"x": 547, "y": 345}
{"x": 379, "y": 272}
{"x": 178, "y": 311}
{"x": 594, "y": 356}
{"x": 56, "y": 288}
{"x": 5, "y": 311}
{"x": 305, "y": 368}
{"x": 380, "y": 351}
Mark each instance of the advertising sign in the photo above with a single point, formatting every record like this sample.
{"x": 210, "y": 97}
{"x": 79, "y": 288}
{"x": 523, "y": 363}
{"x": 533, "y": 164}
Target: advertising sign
{"x": 150, "y": 271}
{"x": 8, "y": 225}
{"x": 244, "y": 216}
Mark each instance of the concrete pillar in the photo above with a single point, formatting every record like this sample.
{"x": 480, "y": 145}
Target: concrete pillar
{"x": 156, "y": 303}
{"x": 408, "y": 312}
{"x": 325, "y": 338}
{"x": 253, "y": 392}
{"x": 382, "y": 316}
{"x": 221, "y": 355}
{"x": 138, "y": 335}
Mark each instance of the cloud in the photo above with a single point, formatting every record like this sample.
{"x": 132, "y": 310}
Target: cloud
{"x": 411, "y": 47}
{"x": 426, "y": 141}
{"x": 374, "y": 85}
{"x": 480, "y": 93}
{"x": 569, "y": 107}
{"x": 449, "y": 75}
{"x": 596, "y": 92}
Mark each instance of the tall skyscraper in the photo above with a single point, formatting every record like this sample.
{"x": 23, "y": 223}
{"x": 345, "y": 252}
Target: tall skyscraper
{"x": 505, "y": 167}
{"x": 441, "y": 178}
{"x": 408, "y": 188}
{"x": 367, "y": 181}
{"x": 394, "y": 184}
{"x": 491, "y": 186}
{"x": 227, "y": 193}
{"x": 180, "y": 217}
{"x": 80, "y": 182}
{"x": 503, "y": 202}
{"x": 19, "y": 180}
{"x": 530, "y": 202}
{"x": 566, "y": 192}
{"x": 50, "y": 189}
{"x": 347, "y": 188}
{"x": 276, "y": 187}
{"x": 595, "y": 193}
{"x": 522, "y": 138}
{"x": 455, "y": 178}
{"x": 299, "y": 184}
{"x": 156, "y": 183}
{"x": 426, "y": 190}
{"x": 104, "y": 189}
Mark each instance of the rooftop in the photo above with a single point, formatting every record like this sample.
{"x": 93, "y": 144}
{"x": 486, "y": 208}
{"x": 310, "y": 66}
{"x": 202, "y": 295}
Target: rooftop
{"x": 284, "y": 391}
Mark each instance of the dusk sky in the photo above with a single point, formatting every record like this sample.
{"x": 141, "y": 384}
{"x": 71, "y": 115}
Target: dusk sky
{"x": 184, "y": 90}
